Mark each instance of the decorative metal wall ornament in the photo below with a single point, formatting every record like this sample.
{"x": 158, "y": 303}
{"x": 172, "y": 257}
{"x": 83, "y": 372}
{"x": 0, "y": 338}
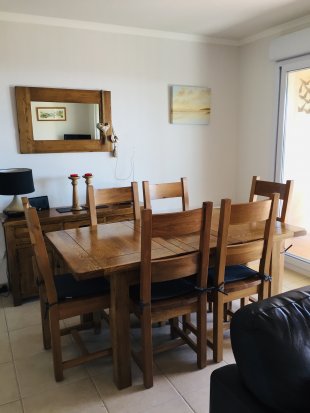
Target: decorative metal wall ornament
{"x": 304, "y": 96}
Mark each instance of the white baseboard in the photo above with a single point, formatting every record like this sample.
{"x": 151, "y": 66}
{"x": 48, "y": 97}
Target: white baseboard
{"x": 298, "y": 265}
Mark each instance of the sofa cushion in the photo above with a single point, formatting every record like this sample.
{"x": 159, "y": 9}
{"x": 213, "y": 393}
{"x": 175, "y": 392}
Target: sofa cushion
{"x": 271, "y": 344}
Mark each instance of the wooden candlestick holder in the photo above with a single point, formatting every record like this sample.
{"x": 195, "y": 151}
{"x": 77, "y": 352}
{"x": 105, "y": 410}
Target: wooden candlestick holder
{"x": 75, "y": 197}
{"x": 88, "y": 181}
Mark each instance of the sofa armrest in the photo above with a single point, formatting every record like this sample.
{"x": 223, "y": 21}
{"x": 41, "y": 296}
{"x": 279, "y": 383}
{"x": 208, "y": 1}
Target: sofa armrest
{"x": 228, "y": 394}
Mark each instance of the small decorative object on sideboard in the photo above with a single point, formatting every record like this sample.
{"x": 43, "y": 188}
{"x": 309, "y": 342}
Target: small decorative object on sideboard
{"x": 75, "y": 197}
{"x": 88, "y": 176}
{"x": 15, "y": 181}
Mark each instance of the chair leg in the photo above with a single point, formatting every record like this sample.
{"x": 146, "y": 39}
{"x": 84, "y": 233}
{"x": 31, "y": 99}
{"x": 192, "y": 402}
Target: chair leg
{"x": 147, "y": 348}
{"x": 97, "y": 322}
{"x": 202, "y": 332}
{"x": 174, "y": 322}
{"x": 186, "y": 319}
{"x": 244, "y": 301}
{"x": 218, "y": 318}
{"x": 264, "y": 290}
{"x": 226, "y": 308}
{"x": 46, "y": 332}
{"x": 56, "y": 343}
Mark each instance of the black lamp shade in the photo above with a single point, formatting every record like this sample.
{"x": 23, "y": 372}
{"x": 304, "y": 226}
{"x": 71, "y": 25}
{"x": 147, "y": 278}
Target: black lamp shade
{"x": 16, "y": 181}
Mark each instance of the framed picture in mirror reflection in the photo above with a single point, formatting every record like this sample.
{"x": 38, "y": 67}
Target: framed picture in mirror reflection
{"x": 51, "y": 113}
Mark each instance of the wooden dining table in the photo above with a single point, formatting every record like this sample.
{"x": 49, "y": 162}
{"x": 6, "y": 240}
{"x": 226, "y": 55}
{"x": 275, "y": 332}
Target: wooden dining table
{"x": 113, "y": 251}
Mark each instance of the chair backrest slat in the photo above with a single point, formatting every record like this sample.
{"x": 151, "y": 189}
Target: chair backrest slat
{"x": 266, "y": 188}
{"x": 111, "y": 196}
{"x": 170, "y": 226}
{"x": 175, "y": 267}
{"x": 261, "y": 214}
{"x": 177, "y": 223}
{"x": 246, "y": 252}
{"x": 164, "y": 191}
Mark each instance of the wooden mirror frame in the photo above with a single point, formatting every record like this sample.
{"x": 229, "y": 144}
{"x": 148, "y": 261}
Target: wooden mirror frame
{"x": 24, "y": 97}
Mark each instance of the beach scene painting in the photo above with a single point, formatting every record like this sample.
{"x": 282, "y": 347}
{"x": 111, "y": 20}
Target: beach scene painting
{"x": 190, "y": 105}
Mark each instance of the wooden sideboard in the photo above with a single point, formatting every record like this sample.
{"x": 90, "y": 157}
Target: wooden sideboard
{"x": 20, "y": 260}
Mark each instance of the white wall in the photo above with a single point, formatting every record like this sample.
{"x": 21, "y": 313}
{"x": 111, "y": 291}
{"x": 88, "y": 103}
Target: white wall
{"x": 138, "y": 71}
{"x": 257, "y": 116}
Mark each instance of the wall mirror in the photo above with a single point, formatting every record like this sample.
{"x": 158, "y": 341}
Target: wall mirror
{"x": 62, "y": 120}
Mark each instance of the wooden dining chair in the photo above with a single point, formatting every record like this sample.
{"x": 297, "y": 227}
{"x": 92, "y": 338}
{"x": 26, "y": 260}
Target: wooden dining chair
{"x": 166, "y": 190}
{"x": 230, "y": 279}
{"x": 113, "y": 196}
{"x": 265, "y": 188}
{"x": 173, "y": 286}
{"x": 62, "y": 297}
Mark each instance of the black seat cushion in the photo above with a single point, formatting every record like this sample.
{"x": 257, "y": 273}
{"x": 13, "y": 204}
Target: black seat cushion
{"x": 232, "y": 273}
{"x": 68, "y": 287}
{"x": 271, "y": 344}
{"x": 165, "y": 290}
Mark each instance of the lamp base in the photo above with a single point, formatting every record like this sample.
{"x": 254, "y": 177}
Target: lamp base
{"x": 15, "y": 208}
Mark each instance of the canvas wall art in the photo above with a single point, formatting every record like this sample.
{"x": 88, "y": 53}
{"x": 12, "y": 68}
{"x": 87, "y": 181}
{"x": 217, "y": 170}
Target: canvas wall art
{"x": 190, "y": 105}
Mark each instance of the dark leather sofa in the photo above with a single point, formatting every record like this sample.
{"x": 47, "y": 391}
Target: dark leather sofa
{"x": 271, "y": 344}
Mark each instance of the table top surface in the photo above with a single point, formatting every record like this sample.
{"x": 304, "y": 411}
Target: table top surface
{"x": 109, "y": 248}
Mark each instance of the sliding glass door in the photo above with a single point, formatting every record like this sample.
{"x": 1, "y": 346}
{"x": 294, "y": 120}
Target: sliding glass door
{"x": 293, "y": 151}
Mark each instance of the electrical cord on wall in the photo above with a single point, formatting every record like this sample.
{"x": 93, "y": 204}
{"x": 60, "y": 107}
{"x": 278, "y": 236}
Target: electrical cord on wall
{"x": 132, "y": 169}
{"x": 115, "y": 153}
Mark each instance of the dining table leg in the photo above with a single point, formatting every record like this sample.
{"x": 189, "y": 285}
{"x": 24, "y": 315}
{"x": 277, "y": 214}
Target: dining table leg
{"x": 277, "y": 267}
{"x": 120, "y": 330}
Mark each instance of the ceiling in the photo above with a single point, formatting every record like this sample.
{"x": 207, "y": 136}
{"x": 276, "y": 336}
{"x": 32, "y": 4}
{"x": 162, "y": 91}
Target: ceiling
{"x": 226, "y": 19}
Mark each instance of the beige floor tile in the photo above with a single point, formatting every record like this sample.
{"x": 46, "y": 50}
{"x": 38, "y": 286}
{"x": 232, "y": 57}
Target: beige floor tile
{"x": 179, "y": 360}
{"x": 199, "y": 400}
{"x": 195, "y": 387}
{"x": 135, "y": 398}
{"x": 178, "y": 405}
{"x": 27, "y": 314}
{"x": 178, "y": 385}
{"x": 36, "y": 373}
{"x": 8, "y": 385}
{"x": 3, "y": 325}
{"x": 101, "y": 367}
{"x": 187, "y": 378}
{"x": 5, "y": 348}
{"x": 96, "y": 342}
{"x": 15, "y": 407}
{"x": 28, "y": 341}
{"x": 77, "y": 397}
{"x": 6, "y": 300}
{"x": 69, "y": 322}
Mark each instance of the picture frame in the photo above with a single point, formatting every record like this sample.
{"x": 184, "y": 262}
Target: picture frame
{"x": 190, "y": 105}
{"x": 57, "y": 113}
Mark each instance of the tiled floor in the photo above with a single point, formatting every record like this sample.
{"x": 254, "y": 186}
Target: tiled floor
{"x": 27, "y": 383}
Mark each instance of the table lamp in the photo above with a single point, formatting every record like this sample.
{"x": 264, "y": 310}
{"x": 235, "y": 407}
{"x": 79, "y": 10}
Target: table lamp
{"x": 15, "y": 181}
